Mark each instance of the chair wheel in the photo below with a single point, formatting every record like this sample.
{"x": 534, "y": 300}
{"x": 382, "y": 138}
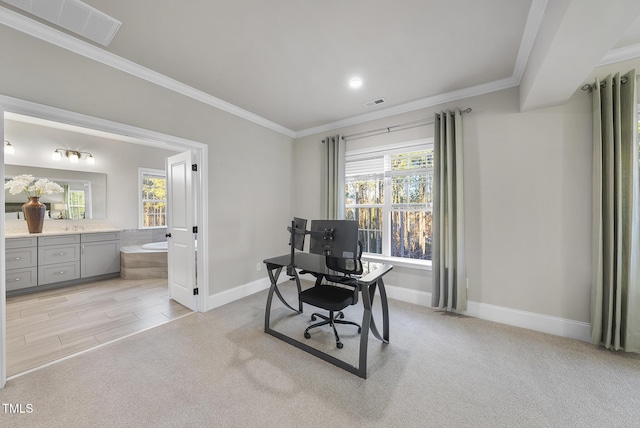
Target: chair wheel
{"x": 359, "y": 329}
{"x": 339, "y": 345}
{"x": 313, "y": 318}
{"x": 307, "y": 335}
{"x": 341, "y": 316}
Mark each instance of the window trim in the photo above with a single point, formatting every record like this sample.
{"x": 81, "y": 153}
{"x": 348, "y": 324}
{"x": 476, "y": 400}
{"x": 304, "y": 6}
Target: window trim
{"x": 361, "y": 154}
{"x": 142, "y": 171}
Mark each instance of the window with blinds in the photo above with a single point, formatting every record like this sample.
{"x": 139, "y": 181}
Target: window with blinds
{"x": 153, "y": 198}
{"x": 389, "y": 192}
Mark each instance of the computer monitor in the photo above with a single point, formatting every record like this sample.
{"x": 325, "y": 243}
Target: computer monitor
{"x": 334, "y": 238}
{"x": 298, "y": 233}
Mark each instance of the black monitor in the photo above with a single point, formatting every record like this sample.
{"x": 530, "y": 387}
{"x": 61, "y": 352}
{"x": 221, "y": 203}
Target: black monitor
{"x": 334, "y": 238}
{"x": 298, "y": 231}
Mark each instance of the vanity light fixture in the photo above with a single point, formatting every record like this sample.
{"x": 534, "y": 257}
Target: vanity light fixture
{"x": 8, "y": 148}
{"x": 74, "y": 156}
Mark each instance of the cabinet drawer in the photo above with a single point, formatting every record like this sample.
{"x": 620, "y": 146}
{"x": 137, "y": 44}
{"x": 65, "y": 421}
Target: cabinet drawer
{"x": 102, "y": 236}
{"x": 58, "y": 240}
{"x": 21, "y": 242}
{"x": 21, "y": 258}
{"x": 58, "y": 254}
{"x": 59, "y": 272}
{"x": 22, "y": 278}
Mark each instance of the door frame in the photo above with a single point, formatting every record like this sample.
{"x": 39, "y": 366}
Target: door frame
{"x": 127, "y": 133}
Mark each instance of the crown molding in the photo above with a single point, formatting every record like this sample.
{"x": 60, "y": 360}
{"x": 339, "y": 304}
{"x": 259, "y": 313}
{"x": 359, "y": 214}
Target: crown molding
{"x": 103, "y": 127}
{"x": 531, "y": 28}
{"x": 43, "y": 32}
{"x": 65, "y": 41}
{"x": 621, "y": 54}
{"x": 435, "y": 100}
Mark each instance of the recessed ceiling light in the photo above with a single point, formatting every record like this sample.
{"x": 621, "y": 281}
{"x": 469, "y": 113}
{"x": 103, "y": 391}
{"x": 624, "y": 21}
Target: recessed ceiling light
{"x": 355, "y": 83}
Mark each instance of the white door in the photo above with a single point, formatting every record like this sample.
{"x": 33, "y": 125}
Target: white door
{"x": 180, "y": 224}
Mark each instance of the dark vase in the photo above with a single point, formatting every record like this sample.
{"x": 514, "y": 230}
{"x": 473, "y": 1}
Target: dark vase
{"x": 34, "y": 212}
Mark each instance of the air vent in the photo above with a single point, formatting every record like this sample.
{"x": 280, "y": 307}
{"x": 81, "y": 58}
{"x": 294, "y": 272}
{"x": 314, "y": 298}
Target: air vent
{"x": 375, "y": 102}
{"x": 72, "y": 15}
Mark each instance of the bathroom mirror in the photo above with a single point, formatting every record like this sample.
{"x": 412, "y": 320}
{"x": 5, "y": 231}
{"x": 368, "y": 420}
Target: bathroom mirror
{"x": 85, "y": 194}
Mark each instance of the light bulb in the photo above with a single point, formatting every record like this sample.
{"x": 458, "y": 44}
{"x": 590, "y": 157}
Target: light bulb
{"x": 8, "y": 148}
{"x": 355, "y": 83}
{"x": 73, "y": 157}
{"x": 91, "y": 160}
{"x": 56, "y": 155}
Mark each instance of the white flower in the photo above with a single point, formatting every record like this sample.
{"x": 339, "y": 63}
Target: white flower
{"x": 24, "y": 183}
{"x": 46, "y": 187}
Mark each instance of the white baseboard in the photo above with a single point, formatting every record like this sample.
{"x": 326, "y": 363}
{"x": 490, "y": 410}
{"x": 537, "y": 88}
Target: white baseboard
{"x": 531, "y": 320}
{"x": 517, "y": 318}
{"x": 237, "y": 293}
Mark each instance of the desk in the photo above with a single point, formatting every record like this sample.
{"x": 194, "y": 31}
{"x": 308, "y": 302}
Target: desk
{"x": 368, "y": 282}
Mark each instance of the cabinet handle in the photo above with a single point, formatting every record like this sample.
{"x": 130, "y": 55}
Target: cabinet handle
{"x": 61, "y": 254}
{"x": 61, "y": 273}
{"x": 17, "y": 279}
{"x": 18, "y": 258}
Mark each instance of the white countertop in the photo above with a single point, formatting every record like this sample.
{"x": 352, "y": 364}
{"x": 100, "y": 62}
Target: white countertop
{"x": 18, "y": 228}
{"x": 78, "y": 231}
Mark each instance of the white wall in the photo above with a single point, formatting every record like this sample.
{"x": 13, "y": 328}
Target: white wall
{"x": 34, "y": 145}
{"x": 527, "y": 200}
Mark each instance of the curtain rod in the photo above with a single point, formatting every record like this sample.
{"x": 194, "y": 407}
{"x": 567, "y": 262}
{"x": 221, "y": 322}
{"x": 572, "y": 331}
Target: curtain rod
{"x": 393, "y": 128}
{"x": 588, "y": 87}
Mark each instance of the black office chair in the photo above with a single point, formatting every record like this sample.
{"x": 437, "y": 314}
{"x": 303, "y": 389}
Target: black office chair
{"x": 334, "y": 298}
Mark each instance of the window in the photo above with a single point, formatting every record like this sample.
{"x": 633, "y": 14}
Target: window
{"x": 76, "y": 204}
{"x": 153, "y": 198}
{"x": 389, "y": 192}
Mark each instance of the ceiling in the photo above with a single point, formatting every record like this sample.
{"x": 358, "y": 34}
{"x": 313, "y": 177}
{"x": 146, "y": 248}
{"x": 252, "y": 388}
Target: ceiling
{"x": 286, "y": 63}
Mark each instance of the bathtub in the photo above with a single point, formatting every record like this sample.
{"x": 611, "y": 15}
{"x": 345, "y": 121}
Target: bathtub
{"x": 144, "y": 261}
{"x": 158, "y": 246}
{"x": 155, "y": 246}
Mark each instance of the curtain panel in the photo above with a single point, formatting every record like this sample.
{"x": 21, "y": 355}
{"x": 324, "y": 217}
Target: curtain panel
{"x": 448, "y": 258}
{"x": 334, "y": 184}
{"x": 615, "y": 297}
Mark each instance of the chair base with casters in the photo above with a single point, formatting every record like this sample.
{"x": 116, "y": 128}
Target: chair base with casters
{"x": 331, "y": 298}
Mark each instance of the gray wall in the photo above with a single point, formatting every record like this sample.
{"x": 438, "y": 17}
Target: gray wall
{"x": 249, "y": 175}
{"x": 527, "y": 200}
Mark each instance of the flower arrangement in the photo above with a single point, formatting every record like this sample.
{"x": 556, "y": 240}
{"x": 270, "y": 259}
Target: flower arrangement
{"x": 31, "y": 187}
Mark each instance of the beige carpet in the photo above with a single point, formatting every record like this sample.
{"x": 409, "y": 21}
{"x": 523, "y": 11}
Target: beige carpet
{"x": 220, "y": 369}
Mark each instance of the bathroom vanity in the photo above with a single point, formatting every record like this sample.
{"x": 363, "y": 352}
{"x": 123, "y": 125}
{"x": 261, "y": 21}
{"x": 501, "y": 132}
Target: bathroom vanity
{"x": 59, "y": 259}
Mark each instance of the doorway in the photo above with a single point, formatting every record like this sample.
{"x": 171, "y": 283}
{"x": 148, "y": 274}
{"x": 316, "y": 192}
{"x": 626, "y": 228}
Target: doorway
{"x": 124, "y": 133}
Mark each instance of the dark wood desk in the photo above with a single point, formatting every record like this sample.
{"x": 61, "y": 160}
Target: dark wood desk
{"x": 368, "y": 282}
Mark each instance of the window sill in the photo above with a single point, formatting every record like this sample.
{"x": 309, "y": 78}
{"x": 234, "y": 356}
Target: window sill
{"x": 397, "y": 261}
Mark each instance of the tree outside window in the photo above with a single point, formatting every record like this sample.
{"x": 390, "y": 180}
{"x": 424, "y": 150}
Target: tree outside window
{"x": 153, "y": 199}
{"x": 389, "y": 194}
{"x": 76, "y": 204}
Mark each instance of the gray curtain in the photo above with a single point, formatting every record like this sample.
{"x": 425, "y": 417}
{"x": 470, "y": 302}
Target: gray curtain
{"x": 615, "y": 299}
{"x": 334, "y": 160}
{"x": 448, "y": 264}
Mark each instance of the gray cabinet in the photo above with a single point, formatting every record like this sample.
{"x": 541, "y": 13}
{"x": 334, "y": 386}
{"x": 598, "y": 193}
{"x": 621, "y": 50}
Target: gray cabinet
{"x": 100, "y": 254}
{"x": 42, "y": 260}
{"x": 58, "y": 258}
{"x": 21, "y": 257}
